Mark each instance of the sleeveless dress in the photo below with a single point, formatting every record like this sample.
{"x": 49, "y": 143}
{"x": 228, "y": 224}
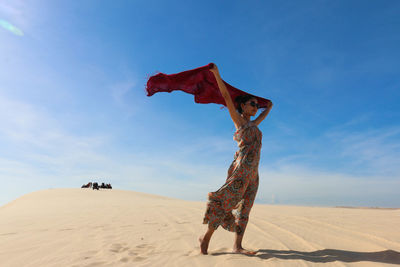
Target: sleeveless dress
{"x": 230, "y": 205}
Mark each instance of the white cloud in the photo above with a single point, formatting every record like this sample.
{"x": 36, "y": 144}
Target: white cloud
{"x": 375, "y": 150}
{"x": 292, "y": 184}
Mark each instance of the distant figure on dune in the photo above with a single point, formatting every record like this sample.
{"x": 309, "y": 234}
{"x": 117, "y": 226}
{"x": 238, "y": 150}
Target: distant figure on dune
{"x": 239, "y": 191}
{"x": 105, "y": 186}
{"x": 95, "y": 186}
{"x": 89, "y": 185}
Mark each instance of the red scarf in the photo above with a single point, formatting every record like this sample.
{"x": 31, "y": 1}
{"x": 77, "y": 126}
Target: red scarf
{"x": 199, "y": 82}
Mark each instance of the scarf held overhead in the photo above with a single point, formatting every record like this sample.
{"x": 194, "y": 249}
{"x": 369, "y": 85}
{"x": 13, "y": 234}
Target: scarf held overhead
{"x": 199, "y": 82}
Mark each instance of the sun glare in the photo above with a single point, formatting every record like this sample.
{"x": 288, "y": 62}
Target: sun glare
{"x": 8, "y": 26}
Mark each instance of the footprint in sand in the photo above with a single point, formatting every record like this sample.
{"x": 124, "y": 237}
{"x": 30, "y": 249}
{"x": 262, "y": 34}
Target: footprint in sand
{"x": 118, "y": 248}
{"x": 88, "y": 254}
{"x": 139, "y": 253}
{"x": 192, "y": 253}
{"x": 124, "y": 259}
{"x": 142, "y": 251}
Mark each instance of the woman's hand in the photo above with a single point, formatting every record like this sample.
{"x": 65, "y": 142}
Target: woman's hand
{"x": 215, "y": 70}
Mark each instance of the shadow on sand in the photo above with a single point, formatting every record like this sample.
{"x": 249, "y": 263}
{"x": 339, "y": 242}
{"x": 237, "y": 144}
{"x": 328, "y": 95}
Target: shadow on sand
{"x": 327, "y": 255}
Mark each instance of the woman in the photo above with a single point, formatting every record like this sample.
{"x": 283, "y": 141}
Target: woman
{"x": 239, "y": 191}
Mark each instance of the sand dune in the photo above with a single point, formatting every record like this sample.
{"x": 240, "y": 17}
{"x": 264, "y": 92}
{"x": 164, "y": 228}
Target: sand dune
{"x": 82, "y": 227}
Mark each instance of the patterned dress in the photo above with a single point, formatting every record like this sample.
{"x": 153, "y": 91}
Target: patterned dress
{"x": 230, "y": 205}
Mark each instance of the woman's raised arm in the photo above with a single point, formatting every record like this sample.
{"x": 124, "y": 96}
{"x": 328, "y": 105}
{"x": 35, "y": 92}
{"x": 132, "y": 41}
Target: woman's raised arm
{"x": 263, "y": 114}
{"x": 237, "y": 120}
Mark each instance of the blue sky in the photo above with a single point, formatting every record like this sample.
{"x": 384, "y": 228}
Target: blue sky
{"x": 73, "y": 107}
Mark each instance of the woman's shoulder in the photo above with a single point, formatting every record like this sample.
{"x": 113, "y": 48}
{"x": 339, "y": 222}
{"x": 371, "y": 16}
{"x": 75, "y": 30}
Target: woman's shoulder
{"x": 240, "y": 122}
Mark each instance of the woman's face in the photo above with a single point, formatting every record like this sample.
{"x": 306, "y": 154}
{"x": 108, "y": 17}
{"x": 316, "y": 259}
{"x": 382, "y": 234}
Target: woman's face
{"x": 250, "y": 107}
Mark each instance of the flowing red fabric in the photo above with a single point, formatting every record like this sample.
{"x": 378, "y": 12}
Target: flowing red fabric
{"x": 199, "y": 82}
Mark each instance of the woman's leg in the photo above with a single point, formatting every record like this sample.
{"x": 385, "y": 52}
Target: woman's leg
{"x": 205, "y": 240}
{"x": 243, "y": 215}
{"x": 237, "y": 247}
{"x": 221, "y": 203}
{"x": 219, "y": 209}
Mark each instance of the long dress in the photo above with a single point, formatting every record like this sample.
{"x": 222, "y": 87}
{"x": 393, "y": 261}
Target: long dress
{"x": 230, "y": 205}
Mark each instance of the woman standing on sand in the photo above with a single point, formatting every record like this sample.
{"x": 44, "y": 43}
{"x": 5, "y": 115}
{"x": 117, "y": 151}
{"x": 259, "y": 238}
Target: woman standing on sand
{"x": 240, "y": 188}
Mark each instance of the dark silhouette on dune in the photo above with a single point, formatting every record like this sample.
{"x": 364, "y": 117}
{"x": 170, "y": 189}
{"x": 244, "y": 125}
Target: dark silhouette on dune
{"x": 88, "y": 185}
{"x": 96, "y": 186}
{"x": 105, "y": 186}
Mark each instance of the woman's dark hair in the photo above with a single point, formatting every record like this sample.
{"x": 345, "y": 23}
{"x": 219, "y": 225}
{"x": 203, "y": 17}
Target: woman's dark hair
{"x": 242, "y": 99}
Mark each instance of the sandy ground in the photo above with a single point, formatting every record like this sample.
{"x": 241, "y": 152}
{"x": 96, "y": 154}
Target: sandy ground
{"x": 82, "y": 227}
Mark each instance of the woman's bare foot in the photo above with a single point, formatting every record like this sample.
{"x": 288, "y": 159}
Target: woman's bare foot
{"x": 244, "y": 251}
{"x": 203, "y": 245}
